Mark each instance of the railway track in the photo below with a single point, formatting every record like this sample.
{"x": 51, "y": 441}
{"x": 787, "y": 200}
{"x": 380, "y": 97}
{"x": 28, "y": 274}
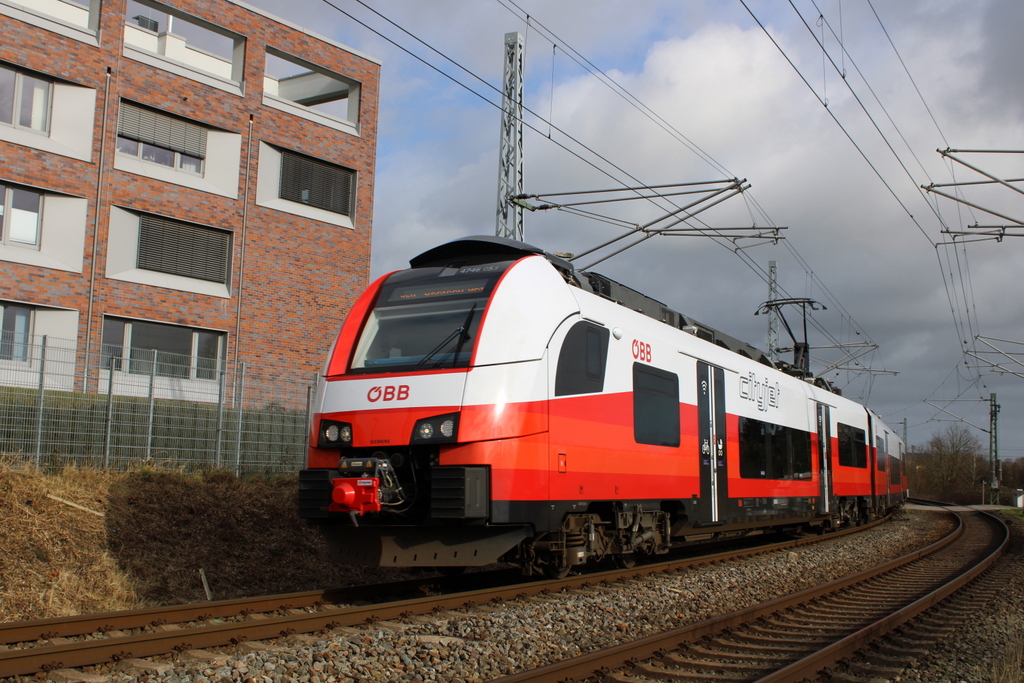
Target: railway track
{"x": 806, "y": 635}
{"x": 50, "y": 644}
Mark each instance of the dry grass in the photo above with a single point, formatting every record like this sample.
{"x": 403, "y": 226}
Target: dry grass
{"x": 1009, "y": 668}
{"x": 1008, "y": 665}
{"x": 54, "y": 560}
{"x": 155, "y": 531}
{"x": 244, "y": 534}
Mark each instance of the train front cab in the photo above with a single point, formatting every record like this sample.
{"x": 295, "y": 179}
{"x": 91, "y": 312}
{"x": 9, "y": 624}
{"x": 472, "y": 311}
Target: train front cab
{"x": 428, "y": 444}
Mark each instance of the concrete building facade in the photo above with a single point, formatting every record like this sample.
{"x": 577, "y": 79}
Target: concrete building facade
{"x": 189, "y": 181}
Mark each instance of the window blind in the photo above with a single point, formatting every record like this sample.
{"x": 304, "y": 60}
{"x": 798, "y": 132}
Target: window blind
{"x": 316, "y": 183}
{"x": 177, "y": 248}
{"x": 161, "y": 130}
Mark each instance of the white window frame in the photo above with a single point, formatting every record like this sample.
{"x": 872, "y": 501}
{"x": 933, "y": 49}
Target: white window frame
{"x": 268, "y": 192}
{"x": 146, "y": 128}
{"x": 72, "y": 111}
{"x": 68, "y": 19}
{"x": 44, "y": 111}
{"x": 61, "y": 233}
{"x": 220, "y": 166}
{"x": 172, "y": 52}
{"x": 11, "y": 340}
{"x": 314, "y": 81}
{"x": 123, "y": 254}
{"x": 58, "y": 329}
{"x": 125, "y": 348}
{"x": 7, "y": 216}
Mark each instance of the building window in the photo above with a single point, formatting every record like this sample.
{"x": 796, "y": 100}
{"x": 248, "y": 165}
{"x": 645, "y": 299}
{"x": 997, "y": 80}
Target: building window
{"x": 316, "y": 183}
{"x": 146, "y": 348}
{"x": 178, "y": 248}
{"x": 655, "y": 406}
{"x": 177, "y": 38}
{"x": 161, "y": 139}
{"x": 311, "y": 87}
{"x": 76, "y": 19}
{"x": 24, "y": 100}
{"x": 21, "y": 211}
{"x": 15, "y": 332}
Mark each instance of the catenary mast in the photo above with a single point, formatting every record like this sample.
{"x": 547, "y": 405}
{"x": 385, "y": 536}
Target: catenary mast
{"x": 510, "y": 153}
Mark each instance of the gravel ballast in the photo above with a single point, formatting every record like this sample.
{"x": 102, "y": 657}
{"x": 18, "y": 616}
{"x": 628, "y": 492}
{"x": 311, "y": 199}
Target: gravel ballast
{"x": 491, "y": 641}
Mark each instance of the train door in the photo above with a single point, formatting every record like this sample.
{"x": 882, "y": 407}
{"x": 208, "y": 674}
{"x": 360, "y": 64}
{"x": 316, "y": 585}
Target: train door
{"x": 576, "y": 377}
{"x": 824, "y": 457}
{"x": 872, "y": 466}
{"x": 711, "y": 439}
{"x": 890, "y": 464}
{"x": 883, "y": 470}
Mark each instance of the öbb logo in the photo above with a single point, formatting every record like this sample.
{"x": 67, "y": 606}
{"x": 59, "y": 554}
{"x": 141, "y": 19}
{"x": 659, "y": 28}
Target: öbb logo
{"x": 641, "y": 351}
{"x": 389, "y": 393}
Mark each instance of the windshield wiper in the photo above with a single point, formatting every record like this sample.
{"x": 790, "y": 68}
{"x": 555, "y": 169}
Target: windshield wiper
{"x": 462, "y": 332}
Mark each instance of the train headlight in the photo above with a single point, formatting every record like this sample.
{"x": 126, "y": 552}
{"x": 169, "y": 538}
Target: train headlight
{"x": 438, "y": 429}
{"x": 335, "y": 434}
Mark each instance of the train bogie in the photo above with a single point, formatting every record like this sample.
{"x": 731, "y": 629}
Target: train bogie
{"x": 491, "y": 403}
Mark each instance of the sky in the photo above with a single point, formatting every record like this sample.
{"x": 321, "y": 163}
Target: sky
{"x": 831, "y": 110}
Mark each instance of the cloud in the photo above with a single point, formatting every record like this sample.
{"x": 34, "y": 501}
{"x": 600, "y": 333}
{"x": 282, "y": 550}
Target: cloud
{"x": 854, "y": 211}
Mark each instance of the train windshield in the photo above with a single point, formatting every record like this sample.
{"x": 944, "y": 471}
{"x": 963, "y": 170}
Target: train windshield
{"x": 426, "y": 318}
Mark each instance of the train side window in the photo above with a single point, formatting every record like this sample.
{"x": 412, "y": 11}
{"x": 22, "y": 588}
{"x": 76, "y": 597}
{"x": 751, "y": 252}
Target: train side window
{"x": 880, "y": 451}
{"x": 895, "y": 470}
{"x": 582, "y": 360}
{"x": 771, "y": 451}
{"x": 655, "y": 406}
{"x": 852, "y": 447}
{"x": 753, "y": 449}
{"x": 799, "y": 444}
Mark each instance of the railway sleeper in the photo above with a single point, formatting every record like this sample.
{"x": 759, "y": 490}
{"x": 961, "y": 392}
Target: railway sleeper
{"x": 735, "y": 651}
{"x": 715, "y": 661}
{"x": 761, "y": 643}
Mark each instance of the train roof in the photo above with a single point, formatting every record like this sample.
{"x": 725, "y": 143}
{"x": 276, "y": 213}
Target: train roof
{"x": 479, "y": 249}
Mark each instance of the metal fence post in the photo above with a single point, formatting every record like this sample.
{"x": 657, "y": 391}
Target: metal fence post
{"x": 310, "y": 393}
{"x": 110, "y": 412}
{"x": 239, "y": 407}
{"x": 220, "y": 416}
{"x": 42, "y": 399}
{"x": 152, "y": 405}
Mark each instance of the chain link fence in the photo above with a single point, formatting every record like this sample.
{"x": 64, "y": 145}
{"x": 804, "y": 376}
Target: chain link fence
{"x": 123, "y": 407}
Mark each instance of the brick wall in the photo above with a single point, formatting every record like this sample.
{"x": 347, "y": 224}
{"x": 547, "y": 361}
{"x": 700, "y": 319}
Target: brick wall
{"x": 298, "y": 277}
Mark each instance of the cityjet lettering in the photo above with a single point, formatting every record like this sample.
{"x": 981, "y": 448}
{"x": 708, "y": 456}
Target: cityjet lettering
{"x": 399, "y": 393}
{"x": 764, "y": 394}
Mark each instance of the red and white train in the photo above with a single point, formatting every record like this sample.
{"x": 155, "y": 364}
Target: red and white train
{"x": 491, "y": 403}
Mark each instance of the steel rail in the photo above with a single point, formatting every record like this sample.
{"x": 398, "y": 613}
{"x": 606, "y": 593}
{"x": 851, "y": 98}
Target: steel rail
{"x": 831, "y": 655}
{"x": 94, "y": 651}
{"x": 601, "y": 662}
{"x": 44, "y": 629}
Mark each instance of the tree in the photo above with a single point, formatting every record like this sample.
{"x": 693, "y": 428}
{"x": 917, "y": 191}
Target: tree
{"x": 949, "y": 467}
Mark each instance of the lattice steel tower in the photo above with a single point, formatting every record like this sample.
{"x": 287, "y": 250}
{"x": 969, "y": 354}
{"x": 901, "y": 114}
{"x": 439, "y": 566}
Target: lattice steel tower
{"x": 773, "y": 313}
{"x": 510, "y": 153}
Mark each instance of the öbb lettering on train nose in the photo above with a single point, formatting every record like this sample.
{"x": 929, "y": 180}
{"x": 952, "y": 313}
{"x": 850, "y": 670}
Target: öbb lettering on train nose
{"x": 388, "y": 393}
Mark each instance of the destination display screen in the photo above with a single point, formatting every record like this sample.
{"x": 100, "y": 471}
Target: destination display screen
{"x": 436, "y": 290}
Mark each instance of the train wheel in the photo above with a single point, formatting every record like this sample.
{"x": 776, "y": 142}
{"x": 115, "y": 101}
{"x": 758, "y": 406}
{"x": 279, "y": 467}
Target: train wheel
{"x": 554, "y": 571}
{"x": 625, "y": 561}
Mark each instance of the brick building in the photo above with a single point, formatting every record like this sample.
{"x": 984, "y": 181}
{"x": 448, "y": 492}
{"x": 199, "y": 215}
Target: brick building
{"x": 186, "y": 181}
